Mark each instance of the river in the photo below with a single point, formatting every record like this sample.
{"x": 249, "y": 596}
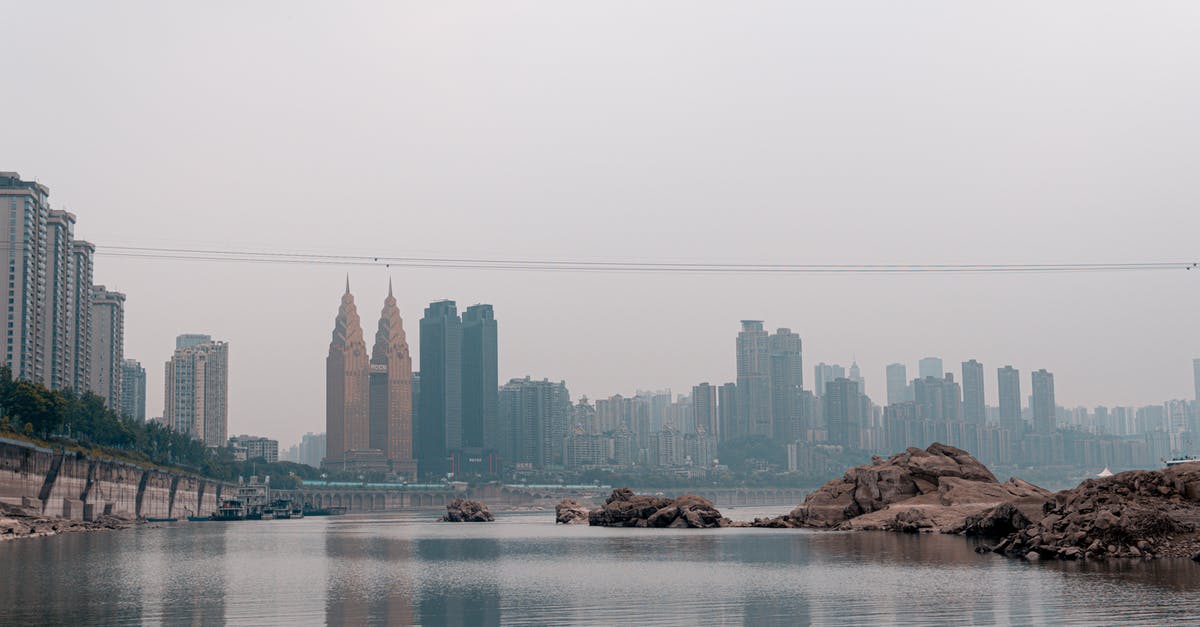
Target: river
{"x": 523, "y": 569}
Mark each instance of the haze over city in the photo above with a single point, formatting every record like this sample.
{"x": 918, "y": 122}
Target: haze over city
{"x": 607, "y": 132}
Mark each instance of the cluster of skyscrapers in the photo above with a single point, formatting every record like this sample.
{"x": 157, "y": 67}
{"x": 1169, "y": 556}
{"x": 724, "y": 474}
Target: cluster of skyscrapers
{"x": 380, "y": 415}
{"x": 63, "y": 331}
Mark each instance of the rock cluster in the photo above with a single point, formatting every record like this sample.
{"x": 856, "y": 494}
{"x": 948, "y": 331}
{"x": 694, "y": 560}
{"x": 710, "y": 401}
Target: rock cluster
{"x": 465, "y": 510}
{"x": 626, "y": 509}
{"x": 25, "y": 522}
{"x": 936, "y": 489}
{"x": 570, "y": 512}
{"x": 1141, "y": 513}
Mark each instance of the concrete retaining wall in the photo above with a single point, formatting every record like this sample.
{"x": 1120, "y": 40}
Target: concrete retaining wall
{"x": 63, "y": 483}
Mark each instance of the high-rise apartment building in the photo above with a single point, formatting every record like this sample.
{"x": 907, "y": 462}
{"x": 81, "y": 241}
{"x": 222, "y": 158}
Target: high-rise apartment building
{"x": 974, "y": 410}
{"x": 534, "y": 416}
{"x": 347, "y": 386}
{"x": 480, "y": 378}
{"x": 187, "y": 340}
{"x": 705, "y": 412}
{"x": 1008, "y": 386}
{"x": 390, "y": 402}
{"x": 897, "y": 384}
{"x": 49, "y": 336}
{"x": 24, "y": 212}
{"x": 108, "y": 344}
{"x": 786, "y": 380}
{"x": 930, "y": 367}
{"x": 1043, "y": 405}
{"x": 753, "y": 381}
{"x": 196, "y": 392}
{"x": 312, "y": 449}
{"x": 133, "y": 390}
{"x": 79, "y": 370}
{"x": 58, "y": 323}
{"x": 439, "y": 427}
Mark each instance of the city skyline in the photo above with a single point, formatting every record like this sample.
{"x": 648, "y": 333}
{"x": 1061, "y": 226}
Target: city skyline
{"x": 772, "y": 148}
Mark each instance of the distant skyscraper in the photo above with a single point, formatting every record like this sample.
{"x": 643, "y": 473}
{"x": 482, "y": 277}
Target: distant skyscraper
{"x": 133, "y": 390}
{"x": 705, "y": 413}
{"x": 347, "y": 387}
{"x": 1196, "y": 376}
{"x": 974, "y": 410}
{"x": 196, "y": 394}
{"x": 440, "y": 428}
{"x": 1008, "y": 381}
{"x": 480, "y": 378}
{"x": 312, "y": 449}
{"x": 897, "y": 384}
{"x": 187, "y": 340}
{"x": 753, "y": 381}
{"x": 823, "y": 373}
{"x": 1043, "y": 406}
{"x": 391, "y": 424}
{"x": 843, "y": 409}
{"x": 534, "y": 416}
{"x": 786, "y": 379}
{"x": 108, "y": 344}
{"x": 727, "y": 410}
{"x": 931, "y": 367}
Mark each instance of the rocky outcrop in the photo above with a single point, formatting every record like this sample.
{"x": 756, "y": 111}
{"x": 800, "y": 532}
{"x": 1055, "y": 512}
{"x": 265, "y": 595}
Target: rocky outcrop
{"x": 1141, "y": 513}
{"x": 626, "y": 509}
{"x": 25, "y": 522}
{"x": 935, "y": 489}
{"x": 570, "y": 512}
{"x": 465, "y": 510}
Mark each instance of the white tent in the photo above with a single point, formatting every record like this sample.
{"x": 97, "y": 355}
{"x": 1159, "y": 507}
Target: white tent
{"x": 1105, "y": 473}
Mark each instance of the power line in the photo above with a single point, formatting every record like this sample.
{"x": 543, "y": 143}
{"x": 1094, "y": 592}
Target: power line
{"x": 560, "y": 265}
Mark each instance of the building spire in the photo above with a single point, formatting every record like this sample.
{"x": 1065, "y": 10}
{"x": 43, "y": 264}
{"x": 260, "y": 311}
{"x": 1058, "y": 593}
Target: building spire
{"x": 390, "y": 288}
{"x": 347, "y": 282}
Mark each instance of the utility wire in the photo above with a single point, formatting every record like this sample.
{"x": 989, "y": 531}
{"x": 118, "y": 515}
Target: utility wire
{"x": 518, "y": 264}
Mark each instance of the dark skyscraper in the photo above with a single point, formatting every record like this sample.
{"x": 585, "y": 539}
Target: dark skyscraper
{"x": 727, "y": 410}
{"x": 1008, "y": 381}
{"x": 972, "y": 391}
{"x": 786, "y": 378}
{"x": 440, "y": 412}
{"x": 753, "y": 381}
{"x": 534, "y": 416}
{"x": 705, "y": 415}
{"x": 480, "y": 381}
{"x": 1043, "y": 405}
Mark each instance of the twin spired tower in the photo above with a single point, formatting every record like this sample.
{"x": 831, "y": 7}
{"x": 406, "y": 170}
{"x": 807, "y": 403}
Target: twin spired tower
{"x": 369, "y": 409}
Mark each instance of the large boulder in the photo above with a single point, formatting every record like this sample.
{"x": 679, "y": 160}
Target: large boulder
{"x": 935, "y": 489}
{"x": 626, "y": 509}
{"x": 570, "y": 512}
{"x": 1141, "y": 513}
{"x": 465, "y": 510}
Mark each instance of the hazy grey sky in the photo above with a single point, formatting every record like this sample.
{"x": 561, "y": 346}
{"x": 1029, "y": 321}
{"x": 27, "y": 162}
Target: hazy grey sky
{"x": 852, "y": 132}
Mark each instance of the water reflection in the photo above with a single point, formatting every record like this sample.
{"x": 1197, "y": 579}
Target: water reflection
{"x": 524, "y": 569}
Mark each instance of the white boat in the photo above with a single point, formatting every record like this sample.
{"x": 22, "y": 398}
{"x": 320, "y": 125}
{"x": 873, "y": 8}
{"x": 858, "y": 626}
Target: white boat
{"x": 1182, "y": 459}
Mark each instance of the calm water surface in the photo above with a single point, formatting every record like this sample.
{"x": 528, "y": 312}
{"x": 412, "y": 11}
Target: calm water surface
{"x": 522, "y": 569}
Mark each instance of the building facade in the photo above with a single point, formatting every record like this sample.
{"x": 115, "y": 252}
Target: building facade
{"x": 753, "y": 381}
{"x": 974, "y": 409}
{"x": 196, "y": 392}
{"x": 439, "y": 415}
{"x": 108, "y": 344}
{"x": 133, "y": 390}
{"x": 1043, "y": 406}
{"x": 1008, "y": 386}
{"x": 480, "y": 379}
{"x": 535, "y": 417}
{"x": 930, "y": 367}
{"x": 897, "y": 384}
{"x": 786, "y": 368}
{"x": 347, "y": 394}
{"x": 391, "y": 403}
